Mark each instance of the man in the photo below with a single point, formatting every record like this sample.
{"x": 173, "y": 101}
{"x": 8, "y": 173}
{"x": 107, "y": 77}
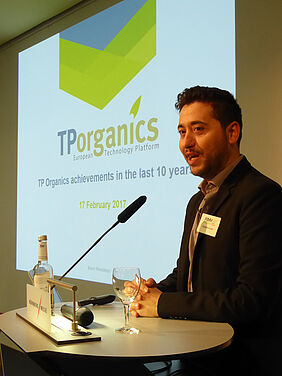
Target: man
{"x": 230, "y": 263}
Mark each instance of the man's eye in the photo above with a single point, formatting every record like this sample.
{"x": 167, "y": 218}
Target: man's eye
{"x": 198, "y": 129}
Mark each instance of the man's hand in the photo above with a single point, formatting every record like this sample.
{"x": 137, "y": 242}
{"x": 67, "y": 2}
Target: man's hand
{"x": 150, "y": 282}
{"x": 130, "y": 286}
{"x": 146, "y": 302}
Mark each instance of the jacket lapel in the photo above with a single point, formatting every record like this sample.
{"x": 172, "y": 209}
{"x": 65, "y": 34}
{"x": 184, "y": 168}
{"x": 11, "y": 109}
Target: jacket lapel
{"x": 222, "y": 195}
{"x": 225, "y": 189}
{"x": 193, "y": 210}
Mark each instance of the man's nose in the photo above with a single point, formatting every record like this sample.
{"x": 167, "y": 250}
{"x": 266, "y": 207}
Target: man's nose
{"x": 189, "y": 140}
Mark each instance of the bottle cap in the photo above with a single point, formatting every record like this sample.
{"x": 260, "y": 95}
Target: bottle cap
{"x": 42, "y": 237}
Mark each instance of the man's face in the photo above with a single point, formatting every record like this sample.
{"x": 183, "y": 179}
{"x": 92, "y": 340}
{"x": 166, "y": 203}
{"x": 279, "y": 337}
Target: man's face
{"x": 203, "y": 141}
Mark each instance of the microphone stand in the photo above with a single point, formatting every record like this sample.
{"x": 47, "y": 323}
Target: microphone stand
{"x": 89, "y": 249}
{"x": 122, "y": 218}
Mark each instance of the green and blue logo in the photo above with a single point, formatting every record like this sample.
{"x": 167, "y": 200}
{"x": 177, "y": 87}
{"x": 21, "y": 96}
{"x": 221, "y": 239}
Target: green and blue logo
{"x": 100, "y": 140}
{"x": 101, "y": 55}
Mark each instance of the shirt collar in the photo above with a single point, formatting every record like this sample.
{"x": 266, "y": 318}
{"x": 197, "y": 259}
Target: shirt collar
{"x": 207, "y": 186}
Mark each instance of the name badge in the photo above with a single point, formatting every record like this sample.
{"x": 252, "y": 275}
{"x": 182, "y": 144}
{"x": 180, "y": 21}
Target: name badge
{"x": 209, "y": 224}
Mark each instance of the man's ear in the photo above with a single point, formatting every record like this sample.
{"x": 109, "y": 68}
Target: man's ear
{"x": 233, "y": 132}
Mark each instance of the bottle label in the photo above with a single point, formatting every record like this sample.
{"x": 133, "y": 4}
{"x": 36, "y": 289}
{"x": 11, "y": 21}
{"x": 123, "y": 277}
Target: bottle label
{"x": 40, "y": 280}
{"x": 42, "y": 251}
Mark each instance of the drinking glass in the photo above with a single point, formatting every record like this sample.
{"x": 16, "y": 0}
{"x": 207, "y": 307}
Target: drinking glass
{"x": 119, "y": 277}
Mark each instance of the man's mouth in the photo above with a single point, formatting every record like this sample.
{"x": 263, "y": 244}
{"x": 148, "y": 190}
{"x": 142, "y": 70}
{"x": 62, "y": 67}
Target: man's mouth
{"x": 192, "y": 157}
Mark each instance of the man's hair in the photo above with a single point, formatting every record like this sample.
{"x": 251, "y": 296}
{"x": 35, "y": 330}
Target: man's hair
{"x": 225, "y": 108}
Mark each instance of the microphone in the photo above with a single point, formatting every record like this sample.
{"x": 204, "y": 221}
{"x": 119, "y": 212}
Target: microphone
{"x": 131, "y": 209}
{"x": 84, "y": 316}
{"x": 97, "y": 300}
{"x": 122, "y": 218}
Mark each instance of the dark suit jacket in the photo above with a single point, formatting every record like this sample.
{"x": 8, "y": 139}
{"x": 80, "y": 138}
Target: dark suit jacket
{"x": 237, "y": 276}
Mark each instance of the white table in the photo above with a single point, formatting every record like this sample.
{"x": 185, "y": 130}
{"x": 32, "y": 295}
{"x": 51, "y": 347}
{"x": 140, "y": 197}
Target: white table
{"x": 159, "y": 339}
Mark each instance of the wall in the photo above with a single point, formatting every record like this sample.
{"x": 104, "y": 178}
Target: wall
{"x": 259, "y": 82}
{"x": 259, "y": 92}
